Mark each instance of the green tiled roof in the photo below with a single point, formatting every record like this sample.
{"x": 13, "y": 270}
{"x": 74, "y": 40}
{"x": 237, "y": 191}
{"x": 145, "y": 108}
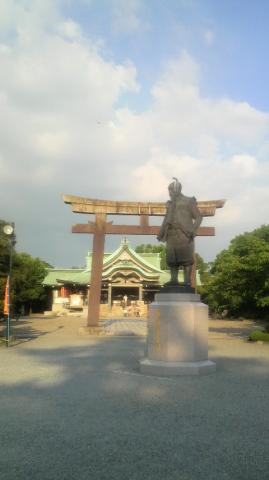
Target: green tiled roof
{"x": 153, "y": 258}
{"x": 65, "y": 274}
{"x": 145, "y": 262}
{"x": 130, "y": 266}
{"x": 147, "y": 265}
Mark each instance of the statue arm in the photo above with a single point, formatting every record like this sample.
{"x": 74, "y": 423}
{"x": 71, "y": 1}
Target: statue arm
{"x": 196, "y": 215}
{"x": 163, "y": 230}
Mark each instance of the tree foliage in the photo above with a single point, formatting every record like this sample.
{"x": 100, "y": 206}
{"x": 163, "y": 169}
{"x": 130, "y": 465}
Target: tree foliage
{"x": 239, "y": 279}
{"x": 201, "y": 266}
{"x": 27, "y": 276}
{"x": 149, "y": 248}
{"x": 27, "y": 289}
{"x": 4, "y": 250}
{"x": 4, "y": 262}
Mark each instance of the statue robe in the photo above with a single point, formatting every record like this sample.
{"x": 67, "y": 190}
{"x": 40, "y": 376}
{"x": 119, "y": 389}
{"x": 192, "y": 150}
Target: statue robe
{"x": 179, "y": 227}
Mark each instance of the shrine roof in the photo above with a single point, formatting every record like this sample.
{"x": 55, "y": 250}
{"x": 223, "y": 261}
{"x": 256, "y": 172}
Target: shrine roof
{"x": 61, "y": 276}
{"x": 123, "y": 258}
{"x": 130, "y": 266}
{"x": 126, "y": 253}
{"x": 152, "y": 258}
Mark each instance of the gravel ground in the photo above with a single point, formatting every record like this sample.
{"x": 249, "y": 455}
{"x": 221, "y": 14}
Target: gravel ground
{"x": 75, "y": 408}
{"x": 69, "y": 325}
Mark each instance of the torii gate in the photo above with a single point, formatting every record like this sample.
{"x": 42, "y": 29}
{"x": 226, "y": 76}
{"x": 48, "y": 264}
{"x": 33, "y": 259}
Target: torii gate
{"x": 99, "y": 228}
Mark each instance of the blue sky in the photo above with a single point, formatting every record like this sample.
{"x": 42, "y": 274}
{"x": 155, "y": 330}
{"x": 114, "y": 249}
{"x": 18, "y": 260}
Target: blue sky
{"x": 112, "y": 98}
{"x": 229, "y": 39}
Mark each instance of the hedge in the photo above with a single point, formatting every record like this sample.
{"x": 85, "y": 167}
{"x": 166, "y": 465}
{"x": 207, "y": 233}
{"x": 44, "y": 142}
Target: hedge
{"x": 257, "y": 336}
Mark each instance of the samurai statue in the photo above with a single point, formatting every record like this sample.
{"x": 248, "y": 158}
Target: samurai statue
{"x": 178, "y": 230}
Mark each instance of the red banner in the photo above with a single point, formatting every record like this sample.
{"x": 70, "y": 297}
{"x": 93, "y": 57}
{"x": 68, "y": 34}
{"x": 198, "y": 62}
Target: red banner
{"x": 6, "y": 301}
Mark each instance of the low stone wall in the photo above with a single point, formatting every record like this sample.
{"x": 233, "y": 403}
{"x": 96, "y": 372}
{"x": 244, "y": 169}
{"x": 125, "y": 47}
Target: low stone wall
{"x": 117, "y": 311}
{"x": 140, "y": 309}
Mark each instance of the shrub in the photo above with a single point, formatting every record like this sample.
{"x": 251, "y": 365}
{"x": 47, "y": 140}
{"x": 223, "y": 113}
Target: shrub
{"x": 257, "y": 335}
{"x": 266, "y": 328}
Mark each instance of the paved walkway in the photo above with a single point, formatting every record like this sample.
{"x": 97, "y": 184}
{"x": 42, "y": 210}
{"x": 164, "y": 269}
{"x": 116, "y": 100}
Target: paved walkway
{"x": 77, "y": 408}
{"x": 40, "y": 325}
{"x": 217, "y": 328}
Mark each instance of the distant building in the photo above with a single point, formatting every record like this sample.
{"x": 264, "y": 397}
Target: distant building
{"x": 129, "y": 282}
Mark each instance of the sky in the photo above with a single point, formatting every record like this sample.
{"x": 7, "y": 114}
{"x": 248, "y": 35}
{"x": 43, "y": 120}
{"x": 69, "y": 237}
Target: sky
{"x": 110, "y": 99}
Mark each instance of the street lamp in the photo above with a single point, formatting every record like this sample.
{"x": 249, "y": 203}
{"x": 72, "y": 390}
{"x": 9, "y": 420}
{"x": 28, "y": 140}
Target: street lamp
{"x": 9, "y": 230}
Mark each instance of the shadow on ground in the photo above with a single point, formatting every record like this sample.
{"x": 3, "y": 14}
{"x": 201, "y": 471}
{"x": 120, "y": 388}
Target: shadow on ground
{"x": 23, "y": 331}
{"x": 80, "y": 409}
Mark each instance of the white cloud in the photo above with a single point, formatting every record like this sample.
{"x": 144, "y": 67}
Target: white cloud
{"x": 209, "y": 37}
{"x": 212, "y": 146}
{"x": 246, "y": 165}
{"x": 69, "y": 29}
{"x": 61, "y": 131}
{"x": 28, "y": 15}
{"x": 126, "y": 17}
{"x": 57, "y": 94}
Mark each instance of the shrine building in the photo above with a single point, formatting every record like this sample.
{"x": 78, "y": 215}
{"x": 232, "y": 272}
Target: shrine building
{"x": 129, "y": 282}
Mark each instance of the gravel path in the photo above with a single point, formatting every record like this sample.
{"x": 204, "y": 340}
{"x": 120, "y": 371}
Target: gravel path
{"x": 76, "y": 408}
{"x": 69, "y": 325}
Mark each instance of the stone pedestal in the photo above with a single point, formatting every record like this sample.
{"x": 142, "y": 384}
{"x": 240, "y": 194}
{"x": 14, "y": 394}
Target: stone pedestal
{"x": 177, "y": 336}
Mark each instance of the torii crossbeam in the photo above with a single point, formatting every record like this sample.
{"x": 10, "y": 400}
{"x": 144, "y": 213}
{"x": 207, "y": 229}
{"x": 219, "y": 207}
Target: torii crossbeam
{"x": 99, "y": 228}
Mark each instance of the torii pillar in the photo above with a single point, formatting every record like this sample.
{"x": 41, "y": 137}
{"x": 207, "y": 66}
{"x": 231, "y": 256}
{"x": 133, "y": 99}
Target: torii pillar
{"x": 101, "y": 227}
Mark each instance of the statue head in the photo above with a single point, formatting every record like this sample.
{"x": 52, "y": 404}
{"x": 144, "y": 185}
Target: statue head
{"x": 174, "y": 188}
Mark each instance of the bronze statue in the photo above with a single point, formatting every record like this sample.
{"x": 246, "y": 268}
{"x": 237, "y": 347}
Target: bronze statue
{"x": 178, "y": 230}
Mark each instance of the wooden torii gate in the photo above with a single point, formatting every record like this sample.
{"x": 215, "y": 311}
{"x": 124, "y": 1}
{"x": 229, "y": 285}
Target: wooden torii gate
{"x": 99, "y": 228}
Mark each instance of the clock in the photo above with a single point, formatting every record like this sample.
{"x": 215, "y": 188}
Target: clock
{"x": 8, "y": 229}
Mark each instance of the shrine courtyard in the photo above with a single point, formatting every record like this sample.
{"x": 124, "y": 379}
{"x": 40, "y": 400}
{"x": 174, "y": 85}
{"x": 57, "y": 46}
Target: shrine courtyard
{"x": 76, "y": 407}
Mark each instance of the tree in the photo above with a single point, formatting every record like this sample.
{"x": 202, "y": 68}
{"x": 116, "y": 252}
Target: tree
{"x": 27, "y": 276}
{"x": 28, "y": 292}
{"x": 4, "y": 250}
{"x": 201, "y": 266}
{"x": 262, "y": 232}
{"x": 149, "y": 248}
{"x": 4, "y": 262}
{"x": 239, "y": 279}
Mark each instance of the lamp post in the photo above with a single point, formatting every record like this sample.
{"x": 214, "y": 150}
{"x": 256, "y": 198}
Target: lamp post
{"x": 9, "y": 230}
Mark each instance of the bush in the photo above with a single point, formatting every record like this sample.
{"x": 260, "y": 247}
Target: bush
{"x": 266, "y": 328}
{"x": 257, "y": 336}
{"x": 239, "y": 277}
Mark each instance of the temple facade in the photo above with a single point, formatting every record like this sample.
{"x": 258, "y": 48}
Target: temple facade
{"x": 129, "y": 282}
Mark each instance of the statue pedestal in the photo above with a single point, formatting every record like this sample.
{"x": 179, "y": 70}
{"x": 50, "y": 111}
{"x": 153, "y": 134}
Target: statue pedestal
{"x": 177, "y": 336}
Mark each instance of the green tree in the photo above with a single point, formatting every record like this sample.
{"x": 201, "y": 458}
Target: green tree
{"x": 4, "y": 262}
{"x": 26, "y": 280}
{"x": 4, "y": 250}
{"x": 27, "y": 289}
{"x": 149, "y": 248}
{"x": 201, "y": 266}
{"x": 262, "y": 232}
{"x": 239, "y": 279}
